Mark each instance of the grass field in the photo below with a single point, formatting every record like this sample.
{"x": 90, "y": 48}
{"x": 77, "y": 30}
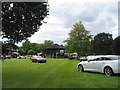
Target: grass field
{"x": 56, "y": 73}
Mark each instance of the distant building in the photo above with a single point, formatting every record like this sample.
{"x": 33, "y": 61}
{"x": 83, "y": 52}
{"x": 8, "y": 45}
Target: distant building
{"x": 55, "y": 51}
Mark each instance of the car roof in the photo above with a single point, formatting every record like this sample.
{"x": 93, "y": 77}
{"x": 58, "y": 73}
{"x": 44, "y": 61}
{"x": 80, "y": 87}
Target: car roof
{"x": 98, "y": 56}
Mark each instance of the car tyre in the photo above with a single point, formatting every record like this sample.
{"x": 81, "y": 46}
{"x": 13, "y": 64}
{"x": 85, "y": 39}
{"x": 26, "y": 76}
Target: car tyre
{"x": 80, "y": 68}
{"x": 44, "y": 61}
{"x": 108, "y": 71}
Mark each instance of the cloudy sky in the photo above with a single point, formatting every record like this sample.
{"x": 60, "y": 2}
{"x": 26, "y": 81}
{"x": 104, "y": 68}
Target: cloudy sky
{"x": 97, "y": 16}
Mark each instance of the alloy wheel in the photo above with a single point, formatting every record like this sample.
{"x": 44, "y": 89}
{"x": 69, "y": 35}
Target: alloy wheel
{"x": 80, "y": 68}
{"x": 108, "y": 71}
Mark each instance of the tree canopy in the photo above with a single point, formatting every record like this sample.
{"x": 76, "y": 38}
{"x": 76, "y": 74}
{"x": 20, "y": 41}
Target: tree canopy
{"x": 8, "y": 47}
{"x": 79, "y": 39}
{"x": 102, "y": 43}
{"x": 20, "y": 20}
{"x": 29, "y": 48}
{"x": 116, "y": 46}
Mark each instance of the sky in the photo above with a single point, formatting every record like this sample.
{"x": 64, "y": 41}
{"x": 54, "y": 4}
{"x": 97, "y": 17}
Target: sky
{"x": 96, "y": 15}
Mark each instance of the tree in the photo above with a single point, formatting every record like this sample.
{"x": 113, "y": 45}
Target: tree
{"x": 37, "y": 48}
{"x": 26, "y": 46}
{"x": 31, "y": 52}
{"x": 21, "y": 51}
{"x": 79, "y": 39}
{"x": 8, "y": 47}
{"x": 34, "y": 48}
{"x": 116, "y": 45}
{"x": 102, "y": 43}
{"x": 20, "y": 20}
{"x": 47, "y": 43}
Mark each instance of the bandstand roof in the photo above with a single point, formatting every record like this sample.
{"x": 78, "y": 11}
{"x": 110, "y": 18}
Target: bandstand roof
{"x": 55, "y": 47}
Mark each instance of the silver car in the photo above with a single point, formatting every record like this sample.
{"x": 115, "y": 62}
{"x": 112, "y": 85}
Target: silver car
{"x": 107, "y": 64}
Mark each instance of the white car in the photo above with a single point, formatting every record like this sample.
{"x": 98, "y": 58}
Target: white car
{"x": 107, "y": 64}
{"x": 21, "y": 57}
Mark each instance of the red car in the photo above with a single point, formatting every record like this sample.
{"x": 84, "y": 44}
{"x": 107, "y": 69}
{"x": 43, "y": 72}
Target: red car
{"x": 38, "y": 59}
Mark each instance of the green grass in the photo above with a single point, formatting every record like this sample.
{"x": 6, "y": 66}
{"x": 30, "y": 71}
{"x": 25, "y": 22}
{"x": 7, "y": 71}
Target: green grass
{"x": 56, "y": 73}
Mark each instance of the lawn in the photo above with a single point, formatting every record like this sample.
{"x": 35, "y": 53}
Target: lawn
{"x": 56, "y": 73}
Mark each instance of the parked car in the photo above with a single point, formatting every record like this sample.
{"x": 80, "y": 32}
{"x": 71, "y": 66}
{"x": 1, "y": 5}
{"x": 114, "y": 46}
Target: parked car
{"x": 107, "y": 64}
{"x": 21, "y": 57}
{"x": 72, "y": 57}
{"x": 38, "y": 59}
{"x": 5, "y": 56}
{"x": 8, "y": 56}
{"x": 2, "y": 57}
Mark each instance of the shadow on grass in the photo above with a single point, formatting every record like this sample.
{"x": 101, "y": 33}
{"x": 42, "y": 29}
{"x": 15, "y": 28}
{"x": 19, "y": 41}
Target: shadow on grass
{"x": 115, "y": 75}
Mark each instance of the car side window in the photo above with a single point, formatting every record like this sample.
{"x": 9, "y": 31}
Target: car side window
{"x": 107, "y": 58}
{"x": 104, "y": 58}
{"x": 96, "y": 59}
{"x": 99, "y": 59}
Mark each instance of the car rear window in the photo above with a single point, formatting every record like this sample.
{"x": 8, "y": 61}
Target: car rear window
{"x": 115, "y": 58}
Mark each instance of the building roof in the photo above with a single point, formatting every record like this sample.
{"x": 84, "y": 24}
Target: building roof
{"x": 55, "y": 47}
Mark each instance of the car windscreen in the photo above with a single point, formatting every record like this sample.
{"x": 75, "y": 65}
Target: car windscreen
{"x": 37, "y": 57}
{"x": 90, "y": 57}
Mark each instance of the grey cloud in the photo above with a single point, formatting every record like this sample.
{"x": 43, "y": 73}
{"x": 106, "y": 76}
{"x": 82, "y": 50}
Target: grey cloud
{"x": 86, "y": 13}
{"x": 102, "y": 25}
{"x": 97, "y": 17}
{"x": 90, "y": 14}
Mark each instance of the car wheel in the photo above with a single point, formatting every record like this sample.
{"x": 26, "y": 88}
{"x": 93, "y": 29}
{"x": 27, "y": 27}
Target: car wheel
{"x": 80, "y": 68}
{"x": 43, "y": 61}
{"x": 108, "y": 71}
